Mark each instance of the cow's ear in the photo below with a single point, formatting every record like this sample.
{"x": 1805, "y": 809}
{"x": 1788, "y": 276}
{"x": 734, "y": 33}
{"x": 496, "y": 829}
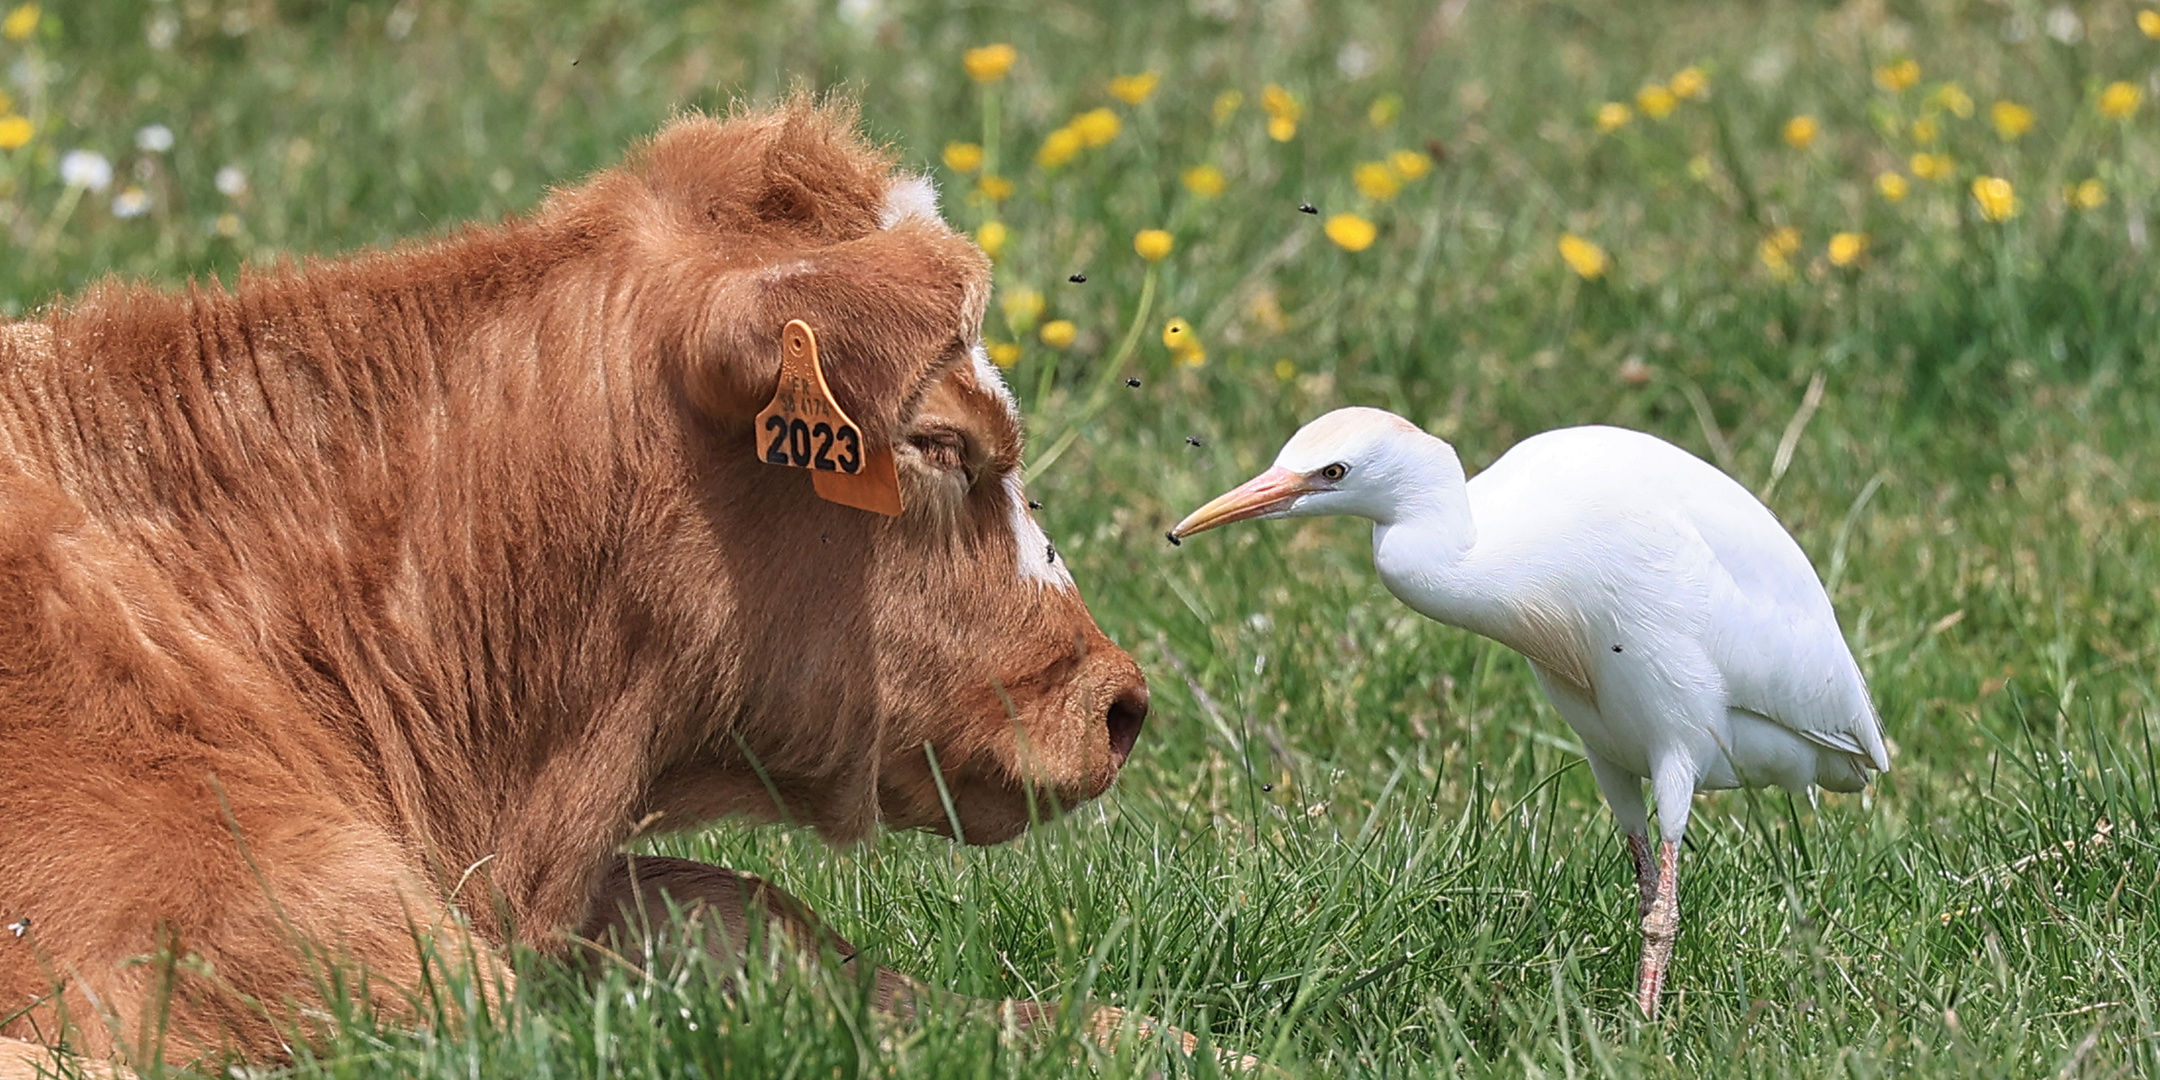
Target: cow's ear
{"x": 892, "y": 312}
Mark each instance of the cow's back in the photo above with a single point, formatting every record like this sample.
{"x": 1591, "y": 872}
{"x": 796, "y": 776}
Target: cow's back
{"x": 169, "y": 804}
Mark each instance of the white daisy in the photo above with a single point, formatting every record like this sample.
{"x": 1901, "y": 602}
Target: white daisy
{"x": 86, "y": 169}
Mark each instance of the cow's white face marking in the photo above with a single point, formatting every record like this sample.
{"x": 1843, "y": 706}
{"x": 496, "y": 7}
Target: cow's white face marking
{"x": 1039, "y": 561}
{"x": 909, "y": 196}
{"x": 990, "y": 378}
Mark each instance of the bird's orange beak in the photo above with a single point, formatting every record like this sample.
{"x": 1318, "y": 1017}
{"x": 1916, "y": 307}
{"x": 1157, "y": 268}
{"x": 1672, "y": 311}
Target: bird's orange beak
{"x": 1263, "y": 494}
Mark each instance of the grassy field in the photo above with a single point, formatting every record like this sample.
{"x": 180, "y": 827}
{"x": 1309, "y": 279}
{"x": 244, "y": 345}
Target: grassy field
{"x": 1354, "y": 842}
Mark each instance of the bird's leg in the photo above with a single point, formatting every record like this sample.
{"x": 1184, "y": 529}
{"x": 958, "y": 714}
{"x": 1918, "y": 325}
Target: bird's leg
{"x": 1623, "y": 792}
{"x": 1660, "y": 927}
{"x": 1673, "y": 782}
{"x": 1646, "y": 871}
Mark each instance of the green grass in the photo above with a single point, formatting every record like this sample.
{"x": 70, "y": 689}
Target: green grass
{"x": 1354, "y": 842}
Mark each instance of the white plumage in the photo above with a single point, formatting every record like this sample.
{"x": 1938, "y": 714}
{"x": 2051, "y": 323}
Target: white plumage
{"x": 1674, "y": 624}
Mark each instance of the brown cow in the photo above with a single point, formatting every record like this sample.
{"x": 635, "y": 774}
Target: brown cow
{"x": 401, "y": 590}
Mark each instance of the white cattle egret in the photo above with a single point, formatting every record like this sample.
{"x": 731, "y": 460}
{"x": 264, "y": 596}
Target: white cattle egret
{"x": 1673, "y": 622}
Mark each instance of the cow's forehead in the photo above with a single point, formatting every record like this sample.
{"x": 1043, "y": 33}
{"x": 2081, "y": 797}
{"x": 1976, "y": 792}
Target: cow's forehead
{"x": 993, "y": 402}
{"x": 982, "y": 388}
{"x": 989, "y": 405}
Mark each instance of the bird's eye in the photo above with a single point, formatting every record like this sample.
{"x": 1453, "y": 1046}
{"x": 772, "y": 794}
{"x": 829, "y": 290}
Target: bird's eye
{"x": 1335, "y": 472}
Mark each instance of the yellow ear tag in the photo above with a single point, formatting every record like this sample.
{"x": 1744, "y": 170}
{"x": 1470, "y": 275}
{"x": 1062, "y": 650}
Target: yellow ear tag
{"x": 805, "y": 428}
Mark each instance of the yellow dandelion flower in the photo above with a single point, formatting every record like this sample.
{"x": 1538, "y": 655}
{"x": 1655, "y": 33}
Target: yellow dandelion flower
{"x": 1206, "y": 181}
{"x": 1891, "y": 187}
{"x": 1059, "y": 147}
{"x": 1699, "y": 168}
{"x": 1277, "y": 101}
{"x": 1282, "y": 111}
{"x": 1192, "y": 356}
{"x": 2088, "y": 195}
{"x": 1178, "y": 334}
{"x": 1689, "y": 83}
{"x": 1584, "y": 257}
{"x": 15, "y": 132}
{"x": 1931, "y": 166}
{"x": 2120, "y": 100}
{"x": 2010, "y": 119}
{"x": 1152, "y": 244}
{"x": 1953, "y": 97}
{"x": 1612, "y": 116}
{"x": 1776, "y": 250}
{"x": 1383, "y": 110}
{"x": 2149, "y": 21}
{"x": 227, "y": 225}
{"x": 1800, "y": 131}
{"x": 1782, "y": 241}
{"x": 1656, "y": 102}
{"x": 1134, "y": 89}
{"x": 1022, "y": 307}
{"x": 963, "y": 157}
{"x": 1096, "y": 127}
{"x": 995, "y": 188}
{"x": 1898, "y": 77}
{"x": 1997, "y": 199}
{"x": 20, "y": 22}
{"x": 1923, "y": 130}
{"x": 1226, "y": 105}
{"x": 989, "y": 63}
{"x": 1059, "y": 333}
{"x": 1410, "y": 164}
{"x": 1285, "y": 370}
{"x": 991, "y": 237}
{"x": 1847, "y": 248}
{"x": 1351, "y": 232}
{"x": 1005, "y": 354}
{"x": 1375, "y": 180}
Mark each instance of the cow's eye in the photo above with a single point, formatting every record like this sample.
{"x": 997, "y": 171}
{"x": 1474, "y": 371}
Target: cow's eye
{"x": 942, "y": 448}
{"x": 1335, "y": 472}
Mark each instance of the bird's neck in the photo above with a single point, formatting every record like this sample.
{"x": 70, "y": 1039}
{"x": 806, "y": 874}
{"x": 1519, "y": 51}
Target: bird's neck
{"x": 1428, "y": 532}
{"x": 1431, "y": 498}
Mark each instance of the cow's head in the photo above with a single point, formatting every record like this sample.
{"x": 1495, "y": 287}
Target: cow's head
{"x": 860, "y": 647}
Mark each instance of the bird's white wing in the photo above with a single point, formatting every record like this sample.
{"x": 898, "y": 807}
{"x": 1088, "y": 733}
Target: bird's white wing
{"x": 1772, "y": 632}
{"x": 1767, "y": 626}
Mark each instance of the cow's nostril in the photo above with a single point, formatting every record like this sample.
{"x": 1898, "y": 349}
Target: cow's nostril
{"x": 1128, "y": 711}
